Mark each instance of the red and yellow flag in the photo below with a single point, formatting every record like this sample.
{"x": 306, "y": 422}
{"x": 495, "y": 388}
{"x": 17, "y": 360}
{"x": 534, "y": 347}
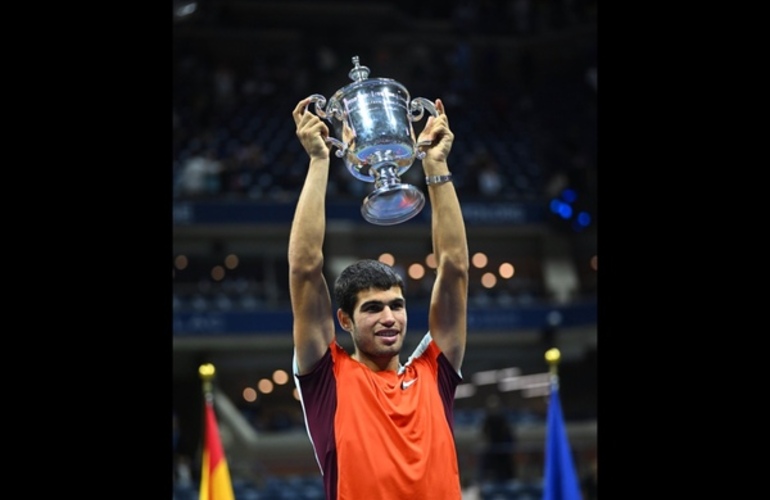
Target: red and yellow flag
{"x": 215, "y": 475}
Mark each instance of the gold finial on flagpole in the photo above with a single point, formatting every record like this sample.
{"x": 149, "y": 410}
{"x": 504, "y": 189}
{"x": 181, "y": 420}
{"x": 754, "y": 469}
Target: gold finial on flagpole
{"x": 206, "y": 373}
{"x": 553, "y": 356}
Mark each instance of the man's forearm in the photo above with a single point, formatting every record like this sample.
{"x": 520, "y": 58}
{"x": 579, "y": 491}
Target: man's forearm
{"x": 309, "y": 225}
{"x": 448, "y": 227}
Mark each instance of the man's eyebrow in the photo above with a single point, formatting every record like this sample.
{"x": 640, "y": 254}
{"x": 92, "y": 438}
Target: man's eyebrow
{"x": 399, "y": 302}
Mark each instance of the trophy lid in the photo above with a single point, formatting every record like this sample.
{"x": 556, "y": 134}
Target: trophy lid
{"x": 358, "y": 73}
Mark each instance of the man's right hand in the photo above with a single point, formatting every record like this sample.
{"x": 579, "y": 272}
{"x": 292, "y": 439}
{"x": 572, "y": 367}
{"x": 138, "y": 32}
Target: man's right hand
{"x": 311, "y": 131}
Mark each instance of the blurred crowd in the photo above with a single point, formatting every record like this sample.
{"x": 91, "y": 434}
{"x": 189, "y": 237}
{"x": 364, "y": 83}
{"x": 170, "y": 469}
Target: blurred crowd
{"x": 525, "y": 123}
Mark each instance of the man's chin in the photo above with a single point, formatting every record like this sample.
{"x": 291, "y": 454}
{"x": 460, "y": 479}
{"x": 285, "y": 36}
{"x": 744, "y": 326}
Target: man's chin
{"x": 388, "y": 349}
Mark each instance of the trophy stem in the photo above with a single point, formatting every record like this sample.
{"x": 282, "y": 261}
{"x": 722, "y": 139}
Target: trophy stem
{"x": 386, "y": 175}
{"x": 392, "y": 201}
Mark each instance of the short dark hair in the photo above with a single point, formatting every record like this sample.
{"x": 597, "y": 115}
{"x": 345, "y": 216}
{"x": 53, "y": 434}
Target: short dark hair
{"x": 363, "y": 275}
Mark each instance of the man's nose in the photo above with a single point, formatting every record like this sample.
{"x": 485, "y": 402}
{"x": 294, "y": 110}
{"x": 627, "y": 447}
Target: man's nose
{"x": 387, "y": 315}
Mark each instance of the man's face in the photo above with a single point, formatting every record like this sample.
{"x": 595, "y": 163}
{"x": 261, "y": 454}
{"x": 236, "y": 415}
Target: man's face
{"x": 379, "y": 322}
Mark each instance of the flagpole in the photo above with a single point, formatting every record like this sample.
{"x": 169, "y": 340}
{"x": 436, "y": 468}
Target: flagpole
{"x": 206, "y": 373}
{"x": 553, "y": 357}
{"x": 215, "y": 475}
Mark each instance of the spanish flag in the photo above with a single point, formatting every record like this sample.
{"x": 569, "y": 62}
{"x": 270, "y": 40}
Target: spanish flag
{"x": 215, "y": 475}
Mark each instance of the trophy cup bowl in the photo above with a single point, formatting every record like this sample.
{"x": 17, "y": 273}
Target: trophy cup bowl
{"x": 372, "y": 120}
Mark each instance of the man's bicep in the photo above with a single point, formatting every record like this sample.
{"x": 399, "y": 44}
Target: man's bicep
{"x": 448, "y": 317}
{"x": 313, "y": 323}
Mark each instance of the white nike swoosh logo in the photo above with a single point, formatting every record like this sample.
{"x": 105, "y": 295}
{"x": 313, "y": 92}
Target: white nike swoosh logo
{"x": 405, "y": 385}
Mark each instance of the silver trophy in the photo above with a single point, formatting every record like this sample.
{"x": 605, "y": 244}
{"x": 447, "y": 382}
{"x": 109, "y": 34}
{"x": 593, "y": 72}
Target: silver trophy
{"x": 373, "y": 118}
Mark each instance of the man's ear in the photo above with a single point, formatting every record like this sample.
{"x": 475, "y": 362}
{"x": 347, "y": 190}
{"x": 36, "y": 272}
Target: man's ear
{"x": 345, "y": 321}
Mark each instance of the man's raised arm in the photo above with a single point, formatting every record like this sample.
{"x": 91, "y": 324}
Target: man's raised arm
{"x": 313, "y": 326}
{"x": 447, "y": 317}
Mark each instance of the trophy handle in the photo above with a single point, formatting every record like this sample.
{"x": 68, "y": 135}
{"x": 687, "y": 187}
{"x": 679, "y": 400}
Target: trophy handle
{"x": 319, "y": 102}
{"x": 417, "y": 107}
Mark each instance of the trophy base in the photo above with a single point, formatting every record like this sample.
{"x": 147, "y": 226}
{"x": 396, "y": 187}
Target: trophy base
{"x": 392, "y": 204}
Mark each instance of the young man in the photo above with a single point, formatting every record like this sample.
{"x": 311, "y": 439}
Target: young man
{"x": 379, "y": 429}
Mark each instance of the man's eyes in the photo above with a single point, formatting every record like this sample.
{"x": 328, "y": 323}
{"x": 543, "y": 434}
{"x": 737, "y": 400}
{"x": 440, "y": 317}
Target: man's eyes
{"x": 379, "y": 307}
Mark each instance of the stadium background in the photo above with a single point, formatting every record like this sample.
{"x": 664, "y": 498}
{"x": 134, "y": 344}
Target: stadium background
{"x": 519, "y": 82}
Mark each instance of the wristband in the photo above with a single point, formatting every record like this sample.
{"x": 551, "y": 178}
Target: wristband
{"x": 437, "y": 179}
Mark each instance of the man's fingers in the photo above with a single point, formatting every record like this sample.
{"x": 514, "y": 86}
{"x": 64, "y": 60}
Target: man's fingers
{"x": 299, "y": 109}
{"x": 440, "y": 106}
{"x": 435, "y": 128}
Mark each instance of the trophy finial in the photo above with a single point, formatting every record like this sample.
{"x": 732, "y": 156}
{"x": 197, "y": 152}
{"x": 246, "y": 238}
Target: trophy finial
{"x": 358, "y": 73}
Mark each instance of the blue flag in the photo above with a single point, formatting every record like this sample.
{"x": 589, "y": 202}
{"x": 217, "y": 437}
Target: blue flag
{"x": 561, "y": 480}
